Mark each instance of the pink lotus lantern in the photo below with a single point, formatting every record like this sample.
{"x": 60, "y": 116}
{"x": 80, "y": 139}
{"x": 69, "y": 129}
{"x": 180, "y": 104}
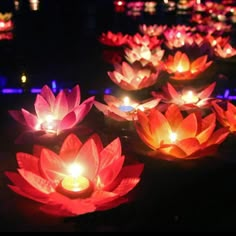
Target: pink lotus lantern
{"x": 113, "y": 39}
{"x": 226, "y": 115}
{"x": 124, "y": 109}
{"x": 187, "y": 98}
{"x": 180, "y": 67}
{"x": 54, "y": 114}
{"x": 133, "y": 77}
{"x": 144, "y": 55}
{"x": 171, "y": 135}
{"x": 144, "y": 40}
{"x": 176, "y": 39}
{"x": 80, "y": 179}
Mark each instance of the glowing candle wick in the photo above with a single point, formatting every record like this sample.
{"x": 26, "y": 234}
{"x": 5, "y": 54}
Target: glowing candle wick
{"x": 189, "y": 97}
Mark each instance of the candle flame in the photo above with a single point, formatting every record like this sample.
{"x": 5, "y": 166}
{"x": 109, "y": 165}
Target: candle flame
{"x": 126, "y": 101}
{"x": 214, "y": 42}
{"x": 190, "y": 97}
{"x": 173, "y": 137}
{"x": 178, "y": 35}
{"x": 228, "y": 51}
{"x": 180, "y": 68}
{"x": 23, "y": 79}
{"x": 75, "y": 170}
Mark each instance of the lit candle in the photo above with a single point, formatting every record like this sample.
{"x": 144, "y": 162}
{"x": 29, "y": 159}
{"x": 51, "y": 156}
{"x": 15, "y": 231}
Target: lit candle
{"x": 50, "y": 124}
{"x": 126, "y": 107}
{"x": 189, "y": 97}
{"x": 75, "y": 185}
{"x": 34, "y": 5}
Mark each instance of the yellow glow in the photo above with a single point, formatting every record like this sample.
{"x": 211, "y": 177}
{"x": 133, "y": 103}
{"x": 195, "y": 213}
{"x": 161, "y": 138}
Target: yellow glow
{"x": 49, "y": 124}
{"x": 126, "y": 101}
{"x": 180, "y": 68}
{"x": 75, "y": 170}
{"x": 166, "y": 1}
{"x": 228, "y": 51}
{"x": 173, "y": 137}
{"x": 198, "y": 1}
{"x": 189, "y": 97}
{"x": 119, "y": 3}
{"x": 2, "y": 24}
{"x": 178, "y": 35}
{"x": 23, "y": 79}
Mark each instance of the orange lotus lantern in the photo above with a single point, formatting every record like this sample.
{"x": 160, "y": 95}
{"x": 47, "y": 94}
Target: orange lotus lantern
{"x": 226, "y": 115}
{"x": 80, "y": 179}
{"x": 171, "y": 135}
{"x": 226, "y": 51}
{"x": 180, "y": 67}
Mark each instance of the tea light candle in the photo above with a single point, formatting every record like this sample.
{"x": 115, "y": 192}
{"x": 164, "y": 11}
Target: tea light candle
{"x": 126, "y": 107}
{"x": 75, "y": 185}
{"x": 189, "y": 97}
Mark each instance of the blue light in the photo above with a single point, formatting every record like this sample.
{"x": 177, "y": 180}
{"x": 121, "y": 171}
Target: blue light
{"x": 12, "y": 91}
{"x": 35, "y": 90}
{"x": 54, "y": 86}
{"x": 108, "y": 91}
{"x": 226, "y": 94}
